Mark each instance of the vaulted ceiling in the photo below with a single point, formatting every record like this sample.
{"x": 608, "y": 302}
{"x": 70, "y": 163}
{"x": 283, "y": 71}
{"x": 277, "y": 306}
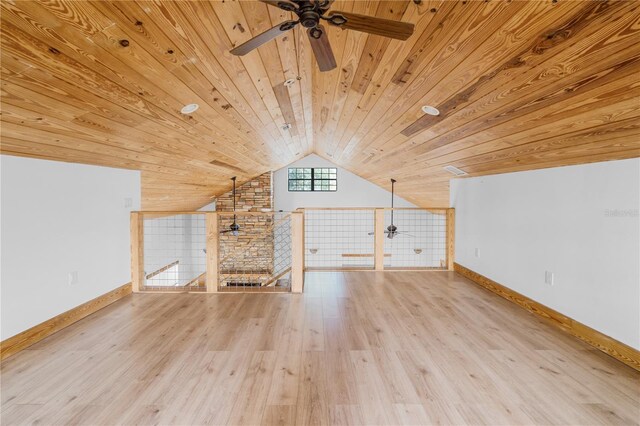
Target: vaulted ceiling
{"x": 519, "y": 85}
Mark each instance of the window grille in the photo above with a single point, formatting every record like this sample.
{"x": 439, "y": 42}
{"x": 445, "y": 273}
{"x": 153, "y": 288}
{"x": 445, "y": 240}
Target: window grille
{"x": 309, "y": 179}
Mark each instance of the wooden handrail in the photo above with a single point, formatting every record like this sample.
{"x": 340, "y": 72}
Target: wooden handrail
{"x": 276, "y": 277}
{"x": 372, "y": 208}
{"x": 199, "y": 279}
{"x": 161, "y": 270}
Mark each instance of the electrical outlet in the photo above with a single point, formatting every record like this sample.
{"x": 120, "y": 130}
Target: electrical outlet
{"x": 477, "y": 252}
{"x": 73, "y": 278}
{"x": 548, "y": 277}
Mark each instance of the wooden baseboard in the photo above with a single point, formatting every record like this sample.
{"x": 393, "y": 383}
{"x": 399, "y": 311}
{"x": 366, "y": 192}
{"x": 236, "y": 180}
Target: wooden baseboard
{"x": 606, "y": 344}
{"x": 33, "y": 335}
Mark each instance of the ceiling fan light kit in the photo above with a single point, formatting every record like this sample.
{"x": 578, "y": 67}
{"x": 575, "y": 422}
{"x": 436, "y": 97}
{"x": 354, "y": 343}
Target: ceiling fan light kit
{"x": 310, "y": 13}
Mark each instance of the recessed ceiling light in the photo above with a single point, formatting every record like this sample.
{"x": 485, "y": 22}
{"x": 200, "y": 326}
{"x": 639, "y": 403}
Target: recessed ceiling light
{"x": 455, "y": 171}
{"x": 428, "y": 109}
{"x": 188, "y": 109}
{"x": 290, "y": 82}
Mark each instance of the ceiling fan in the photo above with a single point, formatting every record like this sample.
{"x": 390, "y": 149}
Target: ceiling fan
{"x": 310, "y": 13}
{"x": 234, "y": 228}
{"x": 392, "y": 230}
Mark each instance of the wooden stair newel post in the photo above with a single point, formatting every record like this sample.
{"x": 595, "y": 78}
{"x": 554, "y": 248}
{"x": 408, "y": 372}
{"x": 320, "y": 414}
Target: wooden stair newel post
{"x": 378, "y": 235}
{"x": 212, "y": 252}
{"x": 451, "y": 240}
{"x": 137, "y": 252}
{"x": 297, "y": 252}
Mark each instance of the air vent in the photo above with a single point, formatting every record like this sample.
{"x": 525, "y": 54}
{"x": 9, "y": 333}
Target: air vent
{"x": 455, "y": 171}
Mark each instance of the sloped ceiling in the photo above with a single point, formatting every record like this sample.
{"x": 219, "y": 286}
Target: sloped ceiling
{"x": 519, "y": 84}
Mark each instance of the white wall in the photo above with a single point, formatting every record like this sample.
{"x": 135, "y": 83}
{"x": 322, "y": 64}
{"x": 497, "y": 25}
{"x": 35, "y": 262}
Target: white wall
{"x": 58, "y": 218}
{"x": 353, "y": 191}
{"x": 579, "y": 222}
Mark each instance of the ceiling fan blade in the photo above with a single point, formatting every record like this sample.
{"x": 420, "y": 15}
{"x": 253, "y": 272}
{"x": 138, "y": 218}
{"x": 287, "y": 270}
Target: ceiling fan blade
{"x": 405, "y": 233}
{"x": 282, "y": 4}
{"x": 263, "y": 38}
{"x": 378, "y": 26}
{"x": 386, "y": 231}
{"x": 324, "y": 4}
{"x": 322, "y": 49}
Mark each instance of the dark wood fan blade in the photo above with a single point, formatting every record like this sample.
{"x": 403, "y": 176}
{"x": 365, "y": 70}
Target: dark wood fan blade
{"x": 322, "y": 49}
{"x": 378, "y": 26}
{"x": 324, "y": 4}
{"x": 281, "y": 4}
{"x": 263, "y": 38}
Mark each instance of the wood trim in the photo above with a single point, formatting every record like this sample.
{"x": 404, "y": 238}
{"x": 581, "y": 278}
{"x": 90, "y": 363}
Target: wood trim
{"x": 167, "y": 212}
{"x": 297, "y": 252}
{"x": 338, "y": 269}
{"x": 371, "y": 269}
{"x": 304, "y": 242}
{"x": 606, "y": 344}
{"x": 429, "y": 209}
{"x": 171, "y": 290}
{"x": 451, "y": 237}
{"x": 378, "y": 236}
{"x": 197, "y": 280}
{"x": 211, "y": 220}
{"x": 362, "y": 255}
{"x": 23, "y": 340}
{"x": 161, "y": 270}
{"x": 275, "y": 278}
{"x": 137, "y": 252}
{"x": 306, "y": 209}
{"x": 438, "y": 209}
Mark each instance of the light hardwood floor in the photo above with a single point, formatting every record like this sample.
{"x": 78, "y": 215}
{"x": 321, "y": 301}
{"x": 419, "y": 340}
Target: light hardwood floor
{"x": 357, "y": 347}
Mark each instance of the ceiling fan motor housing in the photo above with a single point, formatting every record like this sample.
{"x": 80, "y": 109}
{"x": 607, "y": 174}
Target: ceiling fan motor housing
{"x": 309, "y": 18}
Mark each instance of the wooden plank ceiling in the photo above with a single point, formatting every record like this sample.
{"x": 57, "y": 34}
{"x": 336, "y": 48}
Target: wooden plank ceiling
{"x": 520, "y": 85}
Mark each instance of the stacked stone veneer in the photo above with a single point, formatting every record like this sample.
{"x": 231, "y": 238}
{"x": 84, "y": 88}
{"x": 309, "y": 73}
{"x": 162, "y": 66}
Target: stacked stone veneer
{"x": 252, "y": 250}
